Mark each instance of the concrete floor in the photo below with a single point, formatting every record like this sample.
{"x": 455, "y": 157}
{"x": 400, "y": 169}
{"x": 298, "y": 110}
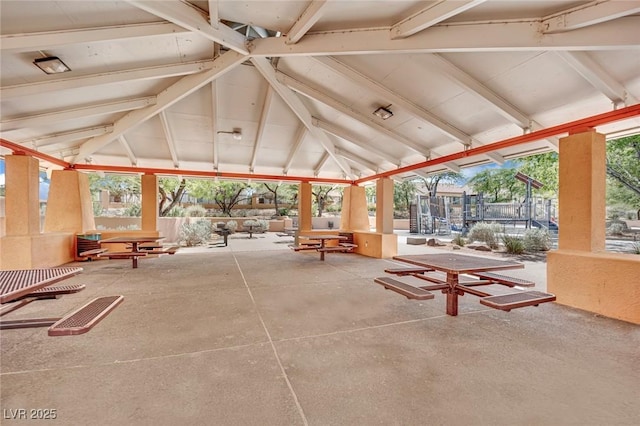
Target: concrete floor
{"x": 255, "y": 334}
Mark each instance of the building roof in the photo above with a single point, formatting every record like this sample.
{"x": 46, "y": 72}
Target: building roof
{"x": 164, "y": 85}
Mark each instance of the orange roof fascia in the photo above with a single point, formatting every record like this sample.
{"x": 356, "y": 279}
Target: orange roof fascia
{"x": 572, "y": 127}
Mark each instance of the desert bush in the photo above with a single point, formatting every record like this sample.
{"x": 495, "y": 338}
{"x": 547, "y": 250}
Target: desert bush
{"x": 259, "y": 225}
{"x": 232, "y": 226}
{"x": 176, "y": 211}
{"x": 192, "y": 234}
{"x": 513, "y": 244}
{"x": 195, "y": 210}
{"x": 635, "y": 249}
{"x": 134, "y": 210}
{"x": 615, "y": 229}
{"x": 537, "y": 240}
{"x": 485, "y": 232}
{"x": 458, "y": 240}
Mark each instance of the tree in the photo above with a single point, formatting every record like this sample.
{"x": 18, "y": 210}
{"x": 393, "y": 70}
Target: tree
{"x": 320, "y": 193}
{"x": 431, "y": 182}
{"x": 227, "y": 195}
{"x": 499, "y": 183}
{"x": 543, "y": 168}
{"x": 623, "y": 169}
{"x": 280, "y": 192}
{"x": 403, "y": 194}
{"x": 171, "y": 191}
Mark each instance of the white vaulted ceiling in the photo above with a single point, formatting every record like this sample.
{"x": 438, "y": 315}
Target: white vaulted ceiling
{"x": 162, "y": 84}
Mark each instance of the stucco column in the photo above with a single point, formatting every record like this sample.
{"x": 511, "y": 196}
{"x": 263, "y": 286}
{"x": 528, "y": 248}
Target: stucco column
{"x": 22, "y": 206}
{"x": 384, "y": 206}
{"x": 69, "y": 205}
{"x": 304, "y": 206}
{"x": 354, "y": 215}
{"x": 150, "y": 203}
{"x": 581, "y": 197}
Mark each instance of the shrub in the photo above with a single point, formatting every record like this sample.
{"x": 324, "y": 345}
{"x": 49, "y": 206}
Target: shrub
{"x": 176, "y": 211}
{"x": 97, "y": 208}
{"x": 635, "y": 249}
{"x": 192, "y": 234}
{"x": 485, "y": 232}
{"x": 512, "y": 244}
{"x": 232, "y": 226}
{"x": 615, "y": 229}
{"x": 195, "y": 210}
{"x": 259, "y": 225}
{"x": 458, "y": 240}
{"x": 537, "y": 240}
{"x": 134, "y": 210}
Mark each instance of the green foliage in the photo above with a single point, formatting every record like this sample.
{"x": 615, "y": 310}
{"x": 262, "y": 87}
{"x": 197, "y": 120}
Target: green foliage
{"x": 615, "y": 229}
{"x": 544, "y": 168}
{"x": 458, "y": 240}
{"x": 120, "y": 187}
{"x": 635, "y": 249}
{"x": 97, "y": 208}
{"x": 134, "y": 210}
{"x": 321, "y": 199}
{"x": 431, "y": 182}
{"x": 176, "y": 211}
{"x": 623, "y": 171}
{"x": 537, "y": 240}
{"x": 498, "y": 185}
{"x": 404, "y": 194}
{"x": 232, "y": 226}
{"x": 195, "y": 210}
{"x": 513, "y": 244}
{"x": 485, "y": 232}
{"x": 259, "y": 225}
{"x": 193, "y": 234}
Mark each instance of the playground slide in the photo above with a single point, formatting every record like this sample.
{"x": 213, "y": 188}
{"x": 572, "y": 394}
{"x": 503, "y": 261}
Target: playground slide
{"x": 552, "y": 226}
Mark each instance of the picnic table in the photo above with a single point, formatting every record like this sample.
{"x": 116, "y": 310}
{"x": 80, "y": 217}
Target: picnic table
{"x": 480, "y": 270}
{"x": 135, "y": 252}
{"x": 321, "y": 246}
{"x": 20, "y": 287}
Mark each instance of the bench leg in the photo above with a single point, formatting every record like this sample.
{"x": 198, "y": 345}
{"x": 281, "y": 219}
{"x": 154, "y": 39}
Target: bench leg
{"x": 135, "y": 262}
{"x": 322, "y": 256}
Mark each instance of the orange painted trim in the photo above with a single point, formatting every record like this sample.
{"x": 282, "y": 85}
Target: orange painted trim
{"x": 577, "y": 126}
{"x": 570, "y": 127}
{"x": 210, "y": 174}
{"x": 23, "y": 150}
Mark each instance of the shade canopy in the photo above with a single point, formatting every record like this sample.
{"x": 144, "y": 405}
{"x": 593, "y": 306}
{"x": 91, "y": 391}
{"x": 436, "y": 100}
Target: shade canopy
{"x": 165, "y": 84}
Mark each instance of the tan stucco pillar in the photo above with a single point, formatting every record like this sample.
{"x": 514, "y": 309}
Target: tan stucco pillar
{"x": 22, "y": 204}
{"x": 304, "y": 206}
{"x": 581, "y": 197}
{"x": 150, "y": 203}
{"x": 69, "y": 206}
{"x": 581, "y": 273}
{"x": 384, "y": 206}
{"x": 354, "y": 216}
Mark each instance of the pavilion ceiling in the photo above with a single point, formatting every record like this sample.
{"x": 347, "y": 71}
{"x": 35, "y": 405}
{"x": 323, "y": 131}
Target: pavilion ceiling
{"x": 165, "y": 84}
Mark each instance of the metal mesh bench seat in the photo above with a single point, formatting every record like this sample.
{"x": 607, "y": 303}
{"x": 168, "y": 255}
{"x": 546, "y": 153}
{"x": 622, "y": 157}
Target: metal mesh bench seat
{"x": 336, "y": 248}
{"x": 85, "y": 318}
{"x": 407, "y": 271}
{"x": 134, "y": 255}
{"x": 93, "y": 252}
{"x": 506, "y": 302}
{"x": 407, "y": 290}
{"x": 304, "y": 247}
{"x": 168, "y": 250}
{"x": 504, "y": 279}
{"x": 55, "y": 290}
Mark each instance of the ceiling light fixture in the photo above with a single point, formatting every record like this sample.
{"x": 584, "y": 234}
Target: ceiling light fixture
{"x": 51, "y": 65}
{"x": 383, "y": 112}
{"x": 236, "y": 134}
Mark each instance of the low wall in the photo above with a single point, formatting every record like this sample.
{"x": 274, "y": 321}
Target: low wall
{"x": 604, "y": 283}
{"x": 374, "y": 244}
{"x": 36, "y": 251}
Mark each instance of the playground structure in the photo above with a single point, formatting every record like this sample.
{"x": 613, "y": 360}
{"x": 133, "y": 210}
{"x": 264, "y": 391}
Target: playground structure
{"x": 441, "y": 215}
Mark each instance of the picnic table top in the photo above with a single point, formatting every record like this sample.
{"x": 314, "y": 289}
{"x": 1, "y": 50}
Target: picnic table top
{"x": 17, "y": 283}
{"x": 458, "y": 263}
